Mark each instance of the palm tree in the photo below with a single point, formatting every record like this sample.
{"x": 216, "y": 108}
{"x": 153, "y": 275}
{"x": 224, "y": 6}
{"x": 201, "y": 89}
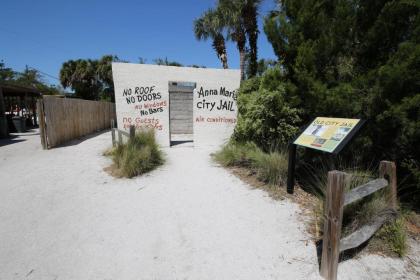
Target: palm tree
{"x": 231, "y": 14}
{"x": 240, "y": 19}
{"x": 67, "y": 73}
{"x": 250, "y": 16}
{"x": 210, "y": 25}
{"x": 104, "y": 74}
{"x": 82, "y": 77}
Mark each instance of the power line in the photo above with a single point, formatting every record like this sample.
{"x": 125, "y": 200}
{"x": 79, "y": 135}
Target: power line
{"x": 43, "y": 73}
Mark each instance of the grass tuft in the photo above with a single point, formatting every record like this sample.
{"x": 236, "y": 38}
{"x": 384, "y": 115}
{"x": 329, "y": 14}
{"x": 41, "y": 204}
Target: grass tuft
{"x": 270, "y": 167}
{"x": 394, "y": 237}
{"x": 138, "y": 156}
{"x": 236, "y": 154}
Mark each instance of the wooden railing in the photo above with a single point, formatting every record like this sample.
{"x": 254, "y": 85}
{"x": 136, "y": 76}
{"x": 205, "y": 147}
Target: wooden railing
{"x": 121, "y": 133}
{"x": 337, "y": 199}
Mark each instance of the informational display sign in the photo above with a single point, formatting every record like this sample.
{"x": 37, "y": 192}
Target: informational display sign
{"x": 327, "y": 134}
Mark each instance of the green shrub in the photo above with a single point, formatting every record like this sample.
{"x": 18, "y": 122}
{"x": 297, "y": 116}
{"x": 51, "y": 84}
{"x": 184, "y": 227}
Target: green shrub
{"x": 263, "y": 115}
{"x": 236, "y": 154}
{"x": 139, "y": 155}
{"x": 270, "y": 167}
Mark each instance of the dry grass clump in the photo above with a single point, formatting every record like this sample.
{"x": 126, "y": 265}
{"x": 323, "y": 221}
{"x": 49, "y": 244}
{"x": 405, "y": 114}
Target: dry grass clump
{"x": 138, "y": 156}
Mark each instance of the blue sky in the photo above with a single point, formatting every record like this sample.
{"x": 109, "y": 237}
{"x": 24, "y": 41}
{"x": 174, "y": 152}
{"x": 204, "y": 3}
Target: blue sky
{"x": 45, "y": 33}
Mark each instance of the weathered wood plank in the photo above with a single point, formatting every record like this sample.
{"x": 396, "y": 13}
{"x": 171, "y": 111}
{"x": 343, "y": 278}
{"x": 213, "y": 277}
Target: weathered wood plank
{"x": 132, "y": 131}
{"x": 332, "y": 225}
{"x": 123, "y": 132}
{"x": 113, "y": 132}
{"x": 363, "y": 234}
{"x": 181, "y": 113}
{"x": 364, "y": 190}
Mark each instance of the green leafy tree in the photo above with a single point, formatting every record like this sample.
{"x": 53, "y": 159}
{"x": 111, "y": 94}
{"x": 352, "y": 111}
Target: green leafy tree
{"x": 262, "y": 66}
{"x": 166, "y": 62}
{"x": 359, "y": 59}
{"x": 90, "y": 79}
{"x": 264, "y": 116}
{"x": 6, "y": 73}
{"x": 30, "y": 77}
{"x": 81, "y": 76}
{"x": 104, "y": 73}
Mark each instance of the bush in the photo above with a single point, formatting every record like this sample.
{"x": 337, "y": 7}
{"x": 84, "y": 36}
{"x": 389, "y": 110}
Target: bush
{"x": 138, "y": 156}
{"x": 263, "y": 115}
{"x": 236, "y": 154}
{"x": 270, "y": 167}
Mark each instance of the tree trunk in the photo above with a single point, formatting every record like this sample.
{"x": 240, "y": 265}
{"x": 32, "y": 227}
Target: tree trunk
{"x": 253, "y": 58}
{"x": 220, "y": 48}
{"x": 223, "y": 59}
{"x": 251, "y": 27}
{"x": 242, "y": 63}
{"x": 240, "y": 43}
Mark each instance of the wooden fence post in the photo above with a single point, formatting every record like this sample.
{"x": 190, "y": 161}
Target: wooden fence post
{"x": 120, "y": 141}
{"x": 388, "y": 171}
{"x": 132, "y": 131}
{"x": 42, "y": 128}
{"x": 113, "y": 132}
{"x": 333, "y": 215}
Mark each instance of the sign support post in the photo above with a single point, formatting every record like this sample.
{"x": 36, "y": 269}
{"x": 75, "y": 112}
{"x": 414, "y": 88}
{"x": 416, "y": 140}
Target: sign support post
{"x": 291, "y": 168}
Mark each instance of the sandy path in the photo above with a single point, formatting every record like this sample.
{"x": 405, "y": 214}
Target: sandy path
{"x": 63, "y": 217}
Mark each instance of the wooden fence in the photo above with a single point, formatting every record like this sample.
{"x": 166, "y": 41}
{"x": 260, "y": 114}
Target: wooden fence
{"x": 65, "y": 119}
{"x": 121, "y": 133}
{"x": 337, "y": 199}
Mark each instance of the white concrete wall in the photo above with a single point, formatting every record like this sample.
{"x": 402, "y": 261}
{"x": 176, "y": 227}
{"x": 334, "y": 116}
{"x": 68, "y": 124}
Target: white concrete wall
{"x": 214, "y": 115}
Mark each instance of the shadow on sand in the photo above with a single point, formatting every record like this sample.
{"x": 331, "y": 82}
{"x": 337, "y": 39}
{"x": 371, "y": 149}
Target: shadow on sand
{"x": 13, "y": 139}
{"x": 82, "y": 139}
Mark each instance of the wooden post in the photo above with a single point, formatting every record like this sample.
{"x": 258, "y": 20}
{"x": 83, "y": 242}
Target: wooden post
{"x": 291, "y": 168}
{"x": 42, "y": 128}
{"x": 132, "y": 131}
{"x": 119, "y": 138}
{"x": 113, "y": 133}
{"x": 388, "y": 171}
{"x": 333, "y": 215}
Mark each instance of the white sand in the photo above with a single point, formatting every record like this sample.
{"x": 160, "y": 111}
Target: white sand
{"x": 63, "y": 217}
